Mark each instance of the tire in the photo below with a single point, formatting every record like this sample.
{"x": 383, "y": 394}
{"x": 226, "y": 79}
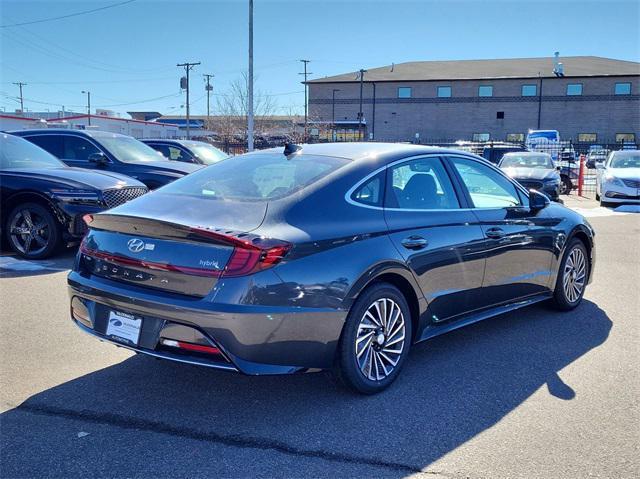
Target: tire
{"x": 379, "y": 363}
{"x": 568, "y": 294}
{"x": 34, "y": 243}
{"x": 567, "y": 186}
{"x": 597, "y": 197}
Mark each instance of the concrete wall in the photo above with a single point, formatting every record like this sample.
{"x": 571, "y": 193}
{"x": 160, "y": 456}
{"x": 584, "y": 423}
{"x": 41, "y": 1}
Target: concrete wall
{"x": 597, "y": 110}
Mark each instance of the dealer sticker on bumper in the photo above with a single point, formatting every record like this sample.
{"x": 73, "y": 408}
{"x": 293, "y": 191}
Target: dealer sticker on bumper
{"x": 124, "y": 327}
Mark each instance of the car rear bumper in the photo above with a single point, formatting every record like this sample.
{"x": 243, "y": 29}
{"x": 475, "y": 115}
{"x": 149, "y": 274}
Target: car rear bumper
{"x": 250, "y": 339}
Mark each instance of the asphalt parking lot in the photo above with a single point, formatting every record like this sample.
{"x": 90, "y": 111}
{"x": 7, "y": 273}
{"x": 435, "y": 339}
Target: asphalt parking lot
{"x": 534, "y": 393}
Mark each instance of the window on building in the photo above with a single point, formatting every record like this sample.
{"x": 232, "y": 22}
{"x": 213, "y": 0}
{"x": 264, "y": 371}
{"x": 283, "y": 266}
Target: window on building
{"x": 625, "y": 137}
{"x": 623, "y": 89}
{"x": 444, "y": 92}
{"x": 481, "y": 136}
{"x": 500, "y": 115}
{"x": 404, "y": 92}
{"x": 529, "y": 90}
{"x": 587, "y": 137}
{"x": 515, "y": 137}
{"x": 574, "y": 89}
{"x": 485, "y": 90}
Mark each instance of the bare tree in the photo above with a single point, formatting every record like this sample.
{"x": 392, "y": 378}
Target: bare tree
{"x": 230, "y": 124}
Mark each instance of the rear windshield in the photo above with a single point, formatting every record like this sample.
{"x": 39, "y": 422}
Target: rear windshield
{"x": 256, "y": 177}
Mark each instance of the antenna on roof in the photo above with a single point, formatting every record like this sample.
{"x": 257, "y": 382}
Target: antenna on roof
{"x": 393, "y": 66}
{"x": 291, "y": 148}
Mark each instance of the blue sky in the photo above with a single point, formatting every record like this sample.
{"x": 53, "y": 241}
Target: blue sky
{"x": 126, "y": 55}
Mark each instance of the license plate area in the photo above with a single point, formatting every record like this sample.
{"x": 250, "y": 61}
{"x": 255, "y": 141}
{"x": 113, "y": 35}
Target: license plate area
{"x": 124, "y": 328}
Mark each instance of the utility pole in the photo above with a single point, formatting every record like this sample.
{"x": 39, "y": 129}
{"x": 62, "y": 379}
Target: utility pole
{"x": 250, "y": 95}
{"x": 20, "y": 85}
{"x": 306, "y": 74}
{"x": 360, "y": 115}
{"x": 187, "y": 68}
{"x": 88, "y": 93}
{"x": 209, "y": 88}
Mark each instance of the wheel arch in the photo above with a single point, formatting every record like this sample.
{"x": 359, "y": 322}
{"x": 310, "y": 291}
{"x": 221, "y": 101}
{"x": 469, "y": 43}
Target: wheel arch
{"x": 397, "y": 275}
{"x": 33, "y": 197}
{"x": 582, "y": 233}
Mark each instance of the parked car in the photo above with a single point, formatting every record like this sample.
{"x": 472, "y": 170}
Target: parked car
{"x": 43, "y": 200}
{"x": 618, "y": 181}
{"x": 494, "y": 153}
{"x": 188, "y": 151}
{"x": 533, "y": 171}
{"x": 548, "y": 141}
{"x": 332, "y": 256}
{"x": 596, "y": 158}
{"x": 101, "y": 150}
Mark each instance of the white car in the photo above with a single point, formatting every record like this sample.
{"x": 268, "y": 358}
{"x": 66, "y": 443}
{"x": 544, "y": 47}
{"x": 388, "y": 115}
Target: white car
{"x": 618, "y": 181}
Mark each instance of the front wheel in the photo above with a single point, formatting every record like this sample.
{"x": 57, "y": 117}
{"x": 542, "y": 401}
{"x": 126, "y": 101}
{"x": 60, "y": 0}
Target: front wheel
{"x": 375, "y": 340}
{"x": 32, "y": 231}
{"x": 572, "y": 276}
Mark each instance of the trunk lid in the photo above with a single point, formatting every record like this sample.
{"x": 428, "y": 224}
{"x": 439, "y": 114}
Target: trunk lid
{"x": 181, "y": 245}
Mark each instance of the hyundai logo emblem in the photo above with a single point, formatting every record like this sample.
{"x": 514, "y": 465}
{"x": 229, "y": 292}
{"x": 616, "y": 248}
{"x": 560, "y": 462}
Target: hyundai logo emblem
{"x": 135, "y": 245}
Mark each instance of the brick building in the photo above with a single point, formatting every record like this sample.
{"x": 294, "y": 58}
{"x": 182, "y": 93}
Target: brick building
{"x": 586, "y": 98}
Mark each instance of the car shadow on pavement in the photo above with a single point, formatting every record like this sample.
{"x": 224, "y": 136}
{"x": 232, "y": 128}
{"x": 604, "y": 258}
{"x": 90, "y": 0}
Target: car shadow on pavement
{"x": 12, "y": 266}
{"x": 452, "y": 388}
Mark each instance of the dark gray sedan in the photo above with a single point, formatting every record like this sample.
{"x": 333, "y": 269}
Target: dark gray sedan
{"x": 533, "y": 170}
{"x": 334, "y": 256}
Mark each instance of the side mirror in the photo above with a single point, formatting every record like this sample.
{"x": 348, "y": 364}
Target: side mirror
{"x": 98, "y": 158}
{"x": 537, "y": 200}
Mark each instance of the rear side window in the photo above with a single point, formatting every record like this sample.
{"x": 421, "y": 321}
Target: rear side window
{"x": 51, "y": 143}
{"x": 421, "y": 184}
{"x": 256, "y": 177}
{"x": 370, "y": 193}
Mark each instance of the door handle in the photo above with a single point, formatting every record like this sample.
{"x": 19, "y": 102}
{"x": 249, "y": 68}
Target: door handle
{"x": 495, "y": 233}
{"x": 414, "y": 242}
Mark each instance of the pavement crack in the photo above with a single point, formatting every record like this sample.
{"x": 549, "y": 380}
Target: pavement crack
{"x": 127, "y": 422}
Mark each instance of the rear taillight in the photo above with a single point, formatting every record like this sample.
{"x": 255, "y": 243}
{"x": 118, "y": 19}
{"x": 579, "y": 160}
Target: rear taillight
{"x": 250, "y": 254}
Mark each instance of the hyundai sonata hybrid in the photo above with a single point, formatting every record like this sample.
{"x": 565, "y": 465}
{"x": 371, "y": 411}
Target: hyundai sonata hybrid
{"x": 331, "y": 256}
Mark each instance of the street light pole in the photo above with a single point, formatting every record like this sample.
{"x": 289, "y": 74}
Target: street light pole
{"x": 333, "y": 113}
{"x": 362, "y": 72}
{"x": 88, "y": 93}
{"x": 250, "y": 95}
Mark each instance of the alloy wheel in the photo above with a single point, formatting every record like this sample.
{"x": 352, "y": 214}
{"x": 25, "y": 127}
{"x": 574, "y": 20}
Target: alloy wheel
{"x": 574, "y": 275}
{"x": 380, "y": 340}
{"x": 30, "y": 232}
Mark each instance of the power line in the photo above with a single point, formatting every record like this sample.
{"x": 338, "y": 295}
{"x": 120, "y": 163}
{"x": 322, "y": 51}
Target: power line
{"x": 51, "y": 19}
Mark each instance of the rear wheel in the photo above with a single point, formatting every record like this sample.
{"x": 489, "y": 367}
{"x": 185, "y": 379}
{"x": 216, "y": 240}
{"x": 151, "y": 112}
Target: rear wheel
{"x": 567, "y": 186}
{"x": 572, "y": 276}
{"x": 375, "y": 340}
{"x": 32, "y": 231}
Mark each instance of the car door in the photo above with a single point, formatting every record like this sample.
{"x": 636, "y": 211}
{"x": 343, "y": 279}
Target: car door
{"x": 438, "y": 237}
{"x": 518, "y": 242}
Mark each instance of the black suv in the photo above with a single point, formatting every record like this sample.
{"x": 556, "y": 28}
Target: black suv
{"x": 106, "y": 151}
